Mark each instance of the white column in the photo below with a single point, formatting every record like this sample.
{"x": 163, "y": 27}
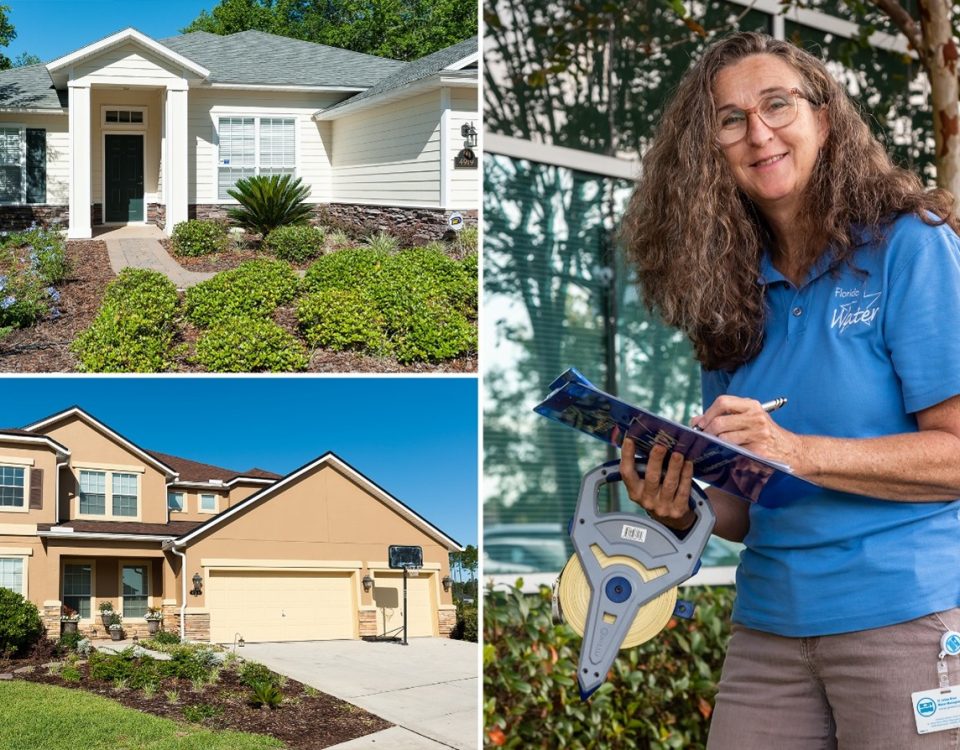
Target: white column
{"x": 79, "y": 162}
{"x": 175, "y": 177}
{"x": 446, "y": 160}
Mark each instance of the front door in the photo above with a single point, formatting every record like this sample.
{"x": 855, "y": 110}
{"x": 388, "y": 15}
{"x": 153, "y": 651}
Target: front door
{"x": 123, "y": 167}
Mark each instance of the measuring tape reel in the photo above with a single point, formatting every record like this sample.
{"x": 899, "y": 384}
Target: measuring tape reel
{"x": 620, "y": 587}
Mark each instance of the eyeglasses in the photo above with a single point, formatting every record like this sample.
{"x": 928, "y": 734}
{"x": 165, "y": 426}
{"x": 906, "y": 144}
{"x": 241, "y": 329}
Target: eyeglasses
{"x": 776, "y": 110}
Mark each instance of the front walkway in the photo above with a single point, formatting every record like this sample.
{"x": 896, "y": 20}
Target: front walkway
{"x": 139, "y": 247}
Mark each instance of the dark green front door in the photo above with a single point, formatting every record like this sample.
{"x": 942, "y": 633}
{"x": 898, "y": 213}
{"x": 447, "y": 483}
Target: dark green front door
{"x": 124, "y": 178}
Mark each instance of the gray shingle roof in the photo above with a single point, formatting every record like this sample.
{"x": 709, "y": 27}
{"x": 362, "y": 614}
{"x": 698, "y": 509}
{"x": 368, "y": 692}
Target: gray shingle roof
{"x": 30, "y": 87}
{"x": 416, "y": 71}
{"x": 255, "y": 57}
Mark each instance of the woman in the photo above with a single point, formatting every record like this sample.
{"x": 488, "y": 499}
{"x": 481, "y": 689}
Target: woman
{"x": 771, "y": 227}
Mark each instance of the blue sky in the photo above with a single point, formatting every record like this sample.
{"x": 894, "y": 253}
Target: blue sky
{"x": 52, "y": 28}
{"x": 415, "y": 437}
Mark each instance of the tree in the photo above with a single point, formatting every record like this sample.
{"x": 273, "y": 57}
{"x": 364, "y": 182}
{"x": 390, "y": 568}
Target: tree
{"x": 463, "y": 567}
{"x": 7, "y": 35}
{"x": 24, "y": 59}
{"x": 398, "y": 29}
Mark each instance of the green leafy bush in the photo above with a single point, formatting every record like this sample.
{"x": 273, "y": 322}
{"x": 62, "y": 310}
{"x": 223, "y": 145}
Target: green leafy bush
{"x": 296, "y": 243}
{"x": 199, "y": 237}
{"x": 253, "y": 673}
{"x": 134, "y": 328}
{"x": 429, "y": 274}
{"x": 254, "y": 288}
{"x": 68, "y": 642}
{"x": 466, "y": 627}
{"x": 248, "y": 344}
{"x": 191, "y": 663}
{"x": 162, "y": 640}
{"x": 382, "y": 242}
{"x": 112, "y": 667}
{"x": 266, "y": 694}
{"x": 352, "y": 268}
{"x": 30, "y": 263}
{"x": 342, "y": 319}
{"x": 269, "y": 202}
{"x": 658, "y": 695}
{"x": 431, "y": 331}
{"x": 20, "y": 624}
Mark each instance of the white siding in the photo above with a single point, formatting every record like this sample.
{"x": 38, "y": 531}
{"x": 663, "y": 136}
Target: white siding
{"x": 389, "y": 155}
{"x": 128, "y": 63}
{"x": 313, "y": 139}
{"x": 153, "y": 101}
{"x": 58, "y": 151}
{"x": 464, "y": 183}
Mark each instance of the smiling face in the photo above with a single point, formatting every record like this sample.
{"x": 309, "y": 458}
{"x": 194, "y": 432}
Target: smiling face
{"x": 771, "y": 166}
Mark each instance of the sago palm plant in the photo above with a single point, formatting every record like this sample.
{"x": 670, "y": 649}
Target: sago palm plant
{"x": 269, "y": 202}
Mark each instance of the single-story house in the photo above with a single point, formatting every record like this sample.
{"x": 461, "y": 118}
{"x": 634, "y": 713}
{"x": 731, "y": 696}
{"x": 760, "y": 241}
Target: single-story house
{"x": 88, "y": 516}
{"x": 131, "y": 130}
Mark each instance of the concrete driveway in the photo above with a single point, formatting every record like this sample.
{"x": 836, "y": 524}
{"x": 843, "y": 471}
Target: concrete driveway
{"x": 429, "y": 688}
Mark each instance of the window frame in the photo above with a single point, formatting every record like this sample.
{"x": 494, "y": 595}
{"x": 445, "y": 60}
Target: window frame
{"x": 134, "y": 563}
{"x": 109, "y": 472}
{"x": 216, "y": 504}
{"x": 24, "y": 558}
{"x": 216, "y": 114}
{"x": 25, "y": 466}
{"x": 93, "y": 584}
{"x": 104, "y": 125}
{"x": 183, "y": 501}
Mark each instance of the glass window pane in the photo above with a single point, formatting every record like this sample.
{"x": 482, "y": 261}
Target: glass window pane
{"x": 112, "y": 115}
{"x": 175, "y": 500}
{"x": 277, "y": 146}
{"x": 77, "y": 588}
{"x": 93, "y": 493}
{"x": 11, "y": 486}
{"x": 11, "y": 573}
{"x": 136, "y": 117}
{"x": 125, "y": 116}
{"x": 125, "y": 494}
{"x": 134, "y": 590}
{"x": 237, "y": 152}
{"x": 11, "y": 166}
{"x": 208, "y": 502}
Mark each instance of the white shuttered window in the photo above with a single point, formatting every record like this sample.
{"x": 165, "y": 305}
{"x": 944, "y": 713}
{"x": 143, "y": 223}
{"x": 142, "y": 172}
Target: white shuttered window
{"x": 254, "y": 145}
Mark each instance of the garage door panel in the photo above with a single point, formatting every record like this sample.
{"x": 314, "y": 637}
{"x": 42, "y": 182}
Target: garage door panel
{"x": 281, "y": 605}
{"x": 388, "y": 600}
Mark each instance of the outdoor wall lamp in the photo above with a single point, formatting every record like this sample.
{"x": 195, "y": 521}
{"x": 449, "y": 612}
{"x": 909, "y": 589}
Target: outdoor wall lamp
{"x": 197, "y": 580}
{"x": 237, "y": 641}
{"x": 367, "y": 583}
{"x": 447, "y": 582}
{"x": 470, "y": 133}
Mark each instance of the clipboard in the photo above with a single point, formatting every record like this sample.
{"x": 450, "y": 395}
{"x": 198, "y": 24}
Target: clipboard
{"x": 577, "y": 403}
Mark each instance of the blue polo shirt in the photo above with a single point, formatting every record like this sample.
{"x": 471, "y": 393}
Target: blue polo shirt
{"x": 857, "y": 351}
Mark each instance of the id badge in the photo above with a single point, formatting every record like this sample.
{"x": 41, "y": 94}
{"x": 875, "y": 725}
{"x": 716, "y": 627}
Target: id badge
{"x": 936, "y": 710}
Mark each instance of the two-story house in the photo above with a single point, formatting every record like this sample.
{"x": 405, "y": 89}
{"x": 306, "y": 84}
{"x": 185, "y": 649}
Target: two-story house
{"x": 87, "y": 516}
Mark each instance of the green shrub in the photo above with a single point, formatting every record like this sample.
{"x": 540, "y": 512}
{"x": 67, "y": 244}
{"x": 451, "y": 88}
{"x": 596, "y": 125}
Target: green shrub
{"x": 190, "y": 663}
{"x": 269, "y": 202}
{"x": 200, "y": 712}
{"x": 133, "y": 330}
{"x": 266, "y": 694}
{"x": 254, "y": 288}
{"x": 470, "y": 263}
{"x": 296, "y": 243}
{"x": 466, "y": 627}
{"x": 46, "y": 252}
{"x": 431, "y": 331}
{"x": 68, "y": 642}
{"x": 253, "y": 673}
{"x": 20, "y": 624}
{"x": 658, "y": 695}
{"x": 112, "y": 667}
{"x": 162, "y": 640}
{"x": 468, "y": 240}
{"x": 382, "y": 242}
{"x": 341, "y": 319}
{"x": 247, "y": 344}
{"x": 199, "y": 237}
{"x": 353, "y": 268}
{"x": 428, "y": 273}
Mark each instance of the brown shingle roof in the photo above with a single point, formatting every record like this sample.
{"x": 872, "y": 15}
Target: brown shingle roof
{"x": 172, "y": 529}
{"x": 194, "y": 471}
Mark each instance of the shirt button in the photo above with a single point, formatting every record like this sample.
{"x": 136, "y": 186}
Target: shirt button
{"x": 797, "y": 312}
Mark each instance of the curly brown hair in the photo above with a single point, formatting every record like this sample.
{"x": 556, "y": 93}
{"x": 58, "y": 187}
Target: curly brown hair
{"x": 697, "y": 239}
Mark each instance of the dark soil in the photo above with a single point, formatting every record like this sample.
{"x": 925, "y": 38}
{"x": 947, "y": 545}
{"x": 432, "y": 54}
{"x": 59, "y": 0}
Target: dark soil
{"x": 226, "y": 260}
{"x": 45, "y": 347}
{"x": 306, "y": 720}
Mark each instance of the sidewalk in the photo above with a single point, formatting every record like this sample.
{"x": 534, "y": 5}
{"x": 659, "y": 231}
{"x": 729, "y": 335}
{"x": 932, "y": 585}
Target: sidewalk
{"x": 139, "y": 247}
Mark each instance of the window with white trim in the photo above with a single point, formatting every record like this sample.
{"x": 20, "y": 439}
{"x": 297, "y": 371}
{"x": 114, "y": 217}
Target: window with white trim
{"x": 78, "y": 587}
{"x": 135, "y": 590}
{"x": 254, "y": 146}
{"x": 175, "y": 500}
{"x": 11, "y": 574}
{"x": 123, "y": 489}
{"x": 23, "y": 164}
{"x": 12, "y": 483}
{"x": 208, "y": 503}
{"x": 124, "y": 494}
{"x": 93, "y": 494}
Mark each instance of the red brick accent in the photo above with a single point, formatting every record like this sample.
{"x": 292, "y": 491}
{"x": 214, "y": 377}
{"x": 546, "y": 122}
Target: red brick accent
{"x": 368, "y": 622}
{"x": 448, "y": 621}
{"x": 17, "y": 218}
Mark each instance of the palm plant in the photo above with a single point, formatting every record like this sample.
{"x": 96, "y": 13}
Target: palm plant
{"x": 269, "y": 202}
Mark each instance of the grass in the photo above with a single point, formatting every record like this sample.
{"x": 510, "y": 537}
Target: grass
{"x": 43, "y": 717}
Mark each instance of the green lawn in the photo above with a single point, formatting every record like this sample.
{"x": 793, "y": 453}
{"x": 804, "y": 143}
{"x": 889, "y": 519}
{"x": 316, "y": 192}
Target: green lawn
{"x": 43, "y": 717}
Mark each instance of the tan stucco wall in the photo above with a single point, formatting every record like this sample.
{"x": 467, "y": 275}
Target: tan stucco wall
{"x": 191, "y": 505}
{"x": 323, "y": 516}
{"x": 92, "y": 449}
{"x": 41, "y": 458}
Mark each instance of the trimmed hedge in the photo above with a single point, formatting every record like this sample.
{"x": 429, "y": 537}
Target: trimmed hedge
{"x": 20, "y": 624}
{"x": 133, "y": 330}
{"x": 253, "y": 289}
{"x": 342, "y": 319}
{"x": 199, "y": 237}
{"x": 296, "y": 243}
{"x": 657, "y": 696}
{"x": 250, "y": 344}
{"x": 352, "y": 268}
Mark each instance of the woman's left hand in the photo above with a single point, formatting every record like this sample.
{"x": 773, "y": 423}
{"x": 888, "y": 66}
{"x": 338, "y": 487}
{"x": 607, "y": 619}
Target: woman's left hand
{"x": 741, "y": 421}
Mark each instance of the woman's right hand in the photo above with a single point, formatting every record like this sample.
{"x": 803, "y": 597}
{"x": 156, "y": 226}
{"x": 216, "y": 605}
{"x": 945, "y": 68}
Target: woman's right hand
{"x": 666, "y": 501}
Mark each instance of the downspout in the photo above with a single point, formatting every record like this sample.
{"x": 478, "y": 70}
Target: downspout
{"x": 183, "y": 593}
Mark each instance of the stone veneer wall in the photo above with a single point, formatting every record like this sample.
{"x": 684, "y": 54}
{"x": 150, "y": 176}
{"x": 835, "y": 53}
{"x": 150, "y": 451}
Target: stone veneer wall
{"x": 50, "y": 615}
{"x": 448, "y": 621}
{"x": 197, "y": 623}
{"x": 368, "y": 622}
{"x": 17, "y": 218}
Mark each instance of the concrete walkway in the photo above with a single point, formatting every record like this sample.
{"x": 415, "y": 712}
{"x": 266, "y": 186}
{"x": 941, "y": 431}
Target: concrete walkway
{"x": 429, "y": 689}
{"x": 139, "y": 247}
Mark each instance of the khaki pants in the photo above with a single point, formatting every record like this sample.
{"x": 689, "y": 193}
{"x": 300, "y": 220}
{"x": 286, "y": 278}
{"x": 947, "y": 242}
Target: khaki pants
{"x": 849, "y": 691}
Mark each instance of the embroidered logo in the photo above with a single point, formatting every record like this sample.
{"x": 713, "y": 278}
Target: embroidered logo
{"x": 859, "y": 310}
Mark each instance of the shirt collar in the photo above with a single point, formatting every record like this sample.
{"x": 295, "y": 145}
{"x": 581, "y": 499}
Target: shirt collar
{"x": 770, "y": 275}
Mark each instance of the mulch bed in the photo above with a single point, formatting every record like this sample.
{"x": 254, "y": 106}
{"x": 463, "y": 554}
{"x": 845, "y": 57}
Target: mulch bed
{"x": 224, "y": 261}
{"x": 45, "y": 347}
{"x": 306, "y": 720}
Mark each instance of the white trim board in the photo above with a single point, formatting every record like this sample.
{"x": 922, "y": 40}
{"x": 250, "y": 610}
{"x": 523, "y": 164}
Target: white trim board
{"x": 559, "y": 156}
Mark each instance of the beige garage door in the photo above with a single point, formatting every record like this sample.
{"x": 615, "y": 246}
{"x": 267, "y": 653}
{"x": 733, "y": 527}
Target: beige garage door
{"x": 388, "y": 598}
{"x": 280, "y": 606}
